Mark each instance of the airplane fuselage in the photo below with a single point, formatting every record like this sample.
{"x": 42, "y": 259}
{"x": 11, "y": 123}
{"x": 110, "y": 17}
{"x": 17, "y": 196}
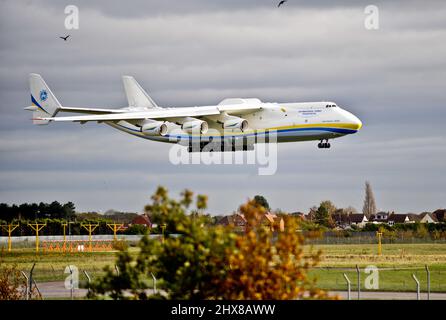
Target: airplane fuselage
{"x": 235, "y": 122}
{"x": 290, "y": 122}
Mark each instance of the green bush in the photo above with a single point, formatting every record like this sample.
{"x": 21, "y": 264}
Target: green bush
{"x": 136, "y": 229}
{"x": 202, "y": 261}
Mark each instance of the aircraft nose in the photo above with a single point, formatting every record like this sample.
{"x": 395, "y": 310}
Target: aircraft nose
{"x": 357, "y": 124}
{"x": 352, "y": 120}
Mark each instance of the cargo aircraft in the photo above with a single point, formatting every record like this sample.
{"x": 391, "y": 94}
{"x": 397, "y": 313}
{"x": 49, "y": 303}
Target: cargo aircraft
{"x": 234, "y": 124}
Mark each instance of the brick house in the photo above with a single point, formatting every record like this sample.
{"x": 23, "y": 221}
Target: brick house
{"x": 142, "y": 219}
{"x": 236, "y": 220}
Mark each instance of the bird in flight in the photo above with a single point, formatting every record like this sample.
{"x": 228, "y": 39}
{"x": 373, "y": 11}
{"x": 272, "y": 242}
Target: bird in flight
{"x": 281, "y": 2}
{"x": 65, "y": 38}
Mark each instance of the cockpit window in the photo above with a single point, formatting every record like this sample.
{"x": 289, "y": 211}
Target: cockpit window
{"x": 330, "y": 106}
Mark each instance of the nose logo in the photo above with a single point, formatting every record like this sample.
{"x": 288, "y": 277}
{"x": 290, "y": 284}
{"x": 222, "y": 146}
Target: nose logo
{"x": 43, "y": 95}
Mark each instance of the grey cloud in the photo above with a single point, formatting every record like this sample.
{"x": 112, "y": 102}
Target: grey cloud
{"x": 199, "y": 52}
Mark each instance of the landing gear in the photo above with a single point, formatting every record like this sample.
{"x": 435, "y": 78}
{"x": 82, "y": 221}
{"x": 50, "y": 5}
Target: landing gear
{"x": 324, "y": 145}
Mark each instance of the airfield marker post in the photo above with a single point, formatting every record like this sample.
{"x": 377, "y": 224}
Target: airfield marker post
{"x": 37, "y": 227}
{"x": 10, "y": 228}
{"x": 115, "y": 227}
{"x": 379, "y": 234}
{"x": 348, "y": 286}
{"x": 64, "y": 225}
{"x": 359, "y": 281}
{"x": 90, "y": 228}
{"x": 418, "y": 285}
{"x": 428, "y": 273}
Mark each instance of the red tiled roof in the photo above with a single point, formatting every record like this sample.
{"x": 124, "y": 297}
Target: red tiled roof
{"x": 142, "y": 219}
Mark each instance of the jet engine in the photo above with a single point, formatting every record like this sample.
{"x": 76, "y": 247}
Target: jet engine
{"x": 154, "y": 128}
{"x": 232, "y": 122}
{"x": 192, "y": 125}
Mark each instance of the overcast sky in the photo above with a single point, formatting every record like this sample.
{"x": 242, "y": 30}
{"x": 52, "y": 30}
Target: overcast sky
{"x": 187, "y": 53}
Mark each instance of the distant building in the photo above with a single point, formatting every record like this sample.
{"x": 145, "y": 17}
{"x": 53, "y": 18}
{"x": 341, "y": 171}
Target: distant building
{"x": 399, "y": 218}
{"x": 347, "y": 220}
{"x": 380, "y": 217}
{"x": 142, "y": 220}
{"x": 427, "y": 217}
{"x": 413, "y": 217}
{"x": 358, "y": 219}
{"x": 440, "y": 215}
{"x": 269, "y": 220}
{"x": 298, "y": 214}
{"x": 236, "y": 220}
{"x": 393, "y": 218}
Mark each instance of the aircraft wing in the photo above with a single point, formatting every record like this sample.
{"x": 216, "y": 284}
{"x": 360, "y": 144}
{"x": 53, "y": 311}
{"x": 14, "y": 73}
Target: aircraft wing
{"x": 90, "y": 110}
{"x": 161, "y": 113}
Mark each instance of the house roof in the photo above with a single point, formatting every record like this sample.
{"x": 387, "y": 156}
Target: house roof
{"x": 383, "y": 216}
{"x": 235, "y": 219}
{"x": 142, "y": 219}
{"x": 270, "y": 217}
{"x": 357, "y": 217}
{"x": 424, "y": 214}
{"x": 239, "y": 220}
{"x": 440, "y": 214}
{"x": 350, "y": 218}
{"x": 414, "y": 217}
{"x": 224, "y": 221}
{"x": 398, "y": 218}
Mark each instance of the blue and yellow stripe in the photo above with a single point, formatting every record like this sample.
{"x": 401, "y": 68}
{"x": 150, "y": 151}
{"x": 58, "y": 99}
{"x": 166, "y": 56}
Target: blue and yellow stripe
{"x": 35, "y": 103}
{"x": 340, "y": 128}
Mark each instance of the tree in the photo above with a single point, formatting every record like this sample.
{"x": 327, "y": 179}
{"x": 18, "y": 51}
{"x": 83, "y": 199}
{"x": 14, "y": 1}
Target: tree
{"x": 136, "y": 229}
{"x": 202, "y": 261}
{"x": 369, "y": 201}
{"x": 264, "y": 268}
{"x": 324, "y": 214}
{"x": 422, "y": 232}
{"x": 69, "y": 210}
{"x": 189, "y": 265}
{"x": 330, "y": 206}
{"x": 261, "y": 200}
{"x": 349, "y": 210}
{"x": 55, "y": 210}
{"x": 12, "y": 284}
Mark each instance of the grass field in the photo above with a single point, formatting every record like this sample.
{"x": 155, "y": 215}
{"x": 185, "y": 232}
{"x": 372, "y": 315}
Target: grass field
{"x": 51, "y": 266}
{"x": 396, "y": 265}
